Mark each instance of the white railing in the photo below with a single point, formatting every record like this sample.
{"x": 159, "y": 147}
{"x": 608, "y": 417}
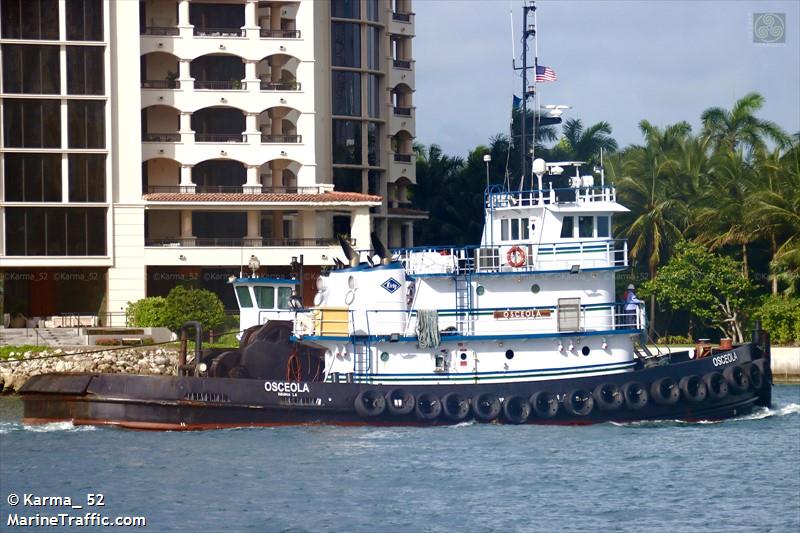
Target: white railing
{"x": 536, "y": 197}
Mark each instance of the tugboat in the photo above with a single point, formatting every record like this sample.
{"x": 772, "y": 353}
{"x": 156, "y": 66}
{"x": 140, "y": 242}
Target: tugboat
{"x": 523, "y": 327}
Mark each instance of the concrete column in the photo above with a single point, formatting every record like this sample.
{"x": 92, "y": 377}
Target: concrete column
{"x": 394, "y": 235}
{"x": 250, "y": 19}
{"x": 252, "y": 133}
{"x": 409, "y": 229}
{"x": 253, "y": 237}
{"x": 183, "y": 13}
{"x": 275, "y": 65}
{"x": 185, "y": 76}
{"x": 277, "y": 167}
{"x": 308, "y": 225}
{"x": 276, "y": 117}
{"x": 252, "y": 185}
{"x": 185, "y": 128}
{"x": 186, "y": 228}
{"x": 275, "y": 16}
{"x": 186, "y": 179}
{"x": 253, "y": 83}
{"x": 277, "y": 224}
{"x": 360, "y": 226}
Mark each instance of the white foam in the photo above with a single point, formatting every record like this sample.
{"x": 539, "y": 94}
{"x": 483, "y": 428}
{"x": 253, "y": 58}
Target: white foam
{"x": 759, "y": 414}
{"x": 57, "y": 426}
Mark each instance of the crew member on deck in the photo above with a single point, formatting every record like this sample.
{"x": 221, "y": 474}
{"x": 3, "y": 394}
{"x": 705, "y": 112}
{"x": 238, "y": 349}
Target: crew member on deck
{"x": 631, "y": 305}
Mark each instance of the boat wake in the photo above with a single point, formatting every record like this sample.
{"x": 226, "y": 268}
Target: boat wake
{"x": 758, "y": 414}
{"x": 12, "y": 427}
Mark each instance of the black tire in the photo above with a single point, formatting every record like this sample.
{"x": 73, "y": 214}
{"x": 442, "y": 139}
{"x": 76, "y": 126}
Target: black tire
{"x": 455, "y": 406}
{"x": 716, "y": 384}
{"x": 486, "y": 407}
{"x": 544, "y": 404}
{"x": 608, "y": 397}
{"x": 370, "y": 403}
{"x": 516, "y": 409}
{"x": 737, "y": 378}
{"x": 400, "y": 402}
{"x": 635, "y": 395}
{"x": 665, "y": 391}
{"x": 756, "y": 373}
{"x": 578, "y": 402}
{"x": 428, "y": 406}
{"x": 693, "y": 389}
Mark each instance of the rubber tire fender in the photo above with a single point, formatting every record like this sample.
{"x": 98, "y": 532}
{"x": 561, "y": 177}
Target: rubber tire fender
{"x": 455, "y": 406}
{"x": 738, "y": 378}
{"x": 758, "y": 379}
{"x": 486, "y": 407}
{"x": 516, "y": 409}
{"x": 544, "y": 404}
{"x": 635, "y": 395}
{"x": 404, "y": 398}
{"x": 608, "y": 397}
{"x": 428, "y": 407}
{"x": 665, "y": 391}
{"x": 578, "y": 402}
{"x": 693, "y": 389}
{"x": 370, "y": 403}
{"x": 716, "y": 384}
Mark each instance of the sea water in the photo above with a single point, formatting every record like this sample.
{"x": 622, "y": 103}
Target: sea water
{"x": 738, "y": 475}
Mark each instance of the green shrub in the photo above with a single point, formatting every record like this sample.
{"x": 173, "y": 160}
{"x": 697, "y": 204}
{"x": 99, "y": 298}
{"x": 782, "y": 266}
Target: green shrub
{"x": 147, "y": 312}
{"x": 781, "y": 318}
{"x": 108, "y": 342}
{"x": 184, "y": 304}
{"x": 675, "y": 339}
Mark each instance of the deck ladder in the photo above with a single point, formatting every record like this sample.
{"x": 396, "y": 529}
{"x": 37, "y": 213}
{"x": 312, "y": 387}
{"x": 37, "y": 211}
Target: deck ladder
{"x": 463, "y": 304}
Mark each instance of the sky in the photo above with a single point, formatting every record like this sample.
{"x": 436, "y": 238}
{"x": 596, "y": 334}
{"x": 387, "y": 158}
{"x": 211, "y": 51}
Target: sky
{"x": 618, "y": 61}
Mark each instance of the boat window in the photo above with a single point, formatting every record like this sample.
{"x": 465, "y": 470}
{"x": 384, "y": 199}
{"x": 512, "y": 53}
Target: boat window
{"x": 284, "y": 295}
{"x": 585, "y": 227}
{"x": 265, "y": 297}
{"x": 504, "y": 229}
{"x": 515, "y": 230}
{"x": 567, "y": 227}
{"x": 526, "y": 230}
{"x": 244, "y": 296}
{"x": 603, "y": 227}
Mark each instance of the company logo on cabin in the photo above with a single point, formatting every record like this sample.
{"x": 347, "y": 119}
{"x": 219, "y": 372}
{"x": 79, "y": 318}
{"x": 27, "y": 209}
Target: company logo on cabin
{"x": 391, "y": 285}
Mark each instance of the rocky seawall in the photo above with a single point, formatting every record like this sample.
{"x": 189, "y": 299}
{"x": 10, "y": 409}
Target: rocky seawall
{"x": 152, "y": 361}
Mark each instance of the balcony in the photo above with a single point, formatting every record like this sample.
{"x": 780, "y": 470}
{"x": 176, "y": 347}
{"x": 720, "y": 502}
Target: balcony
{"x": 161, "y": 137}
{"x": 286, "y": 139}
{"x": 179, "y": 242}
{"x": 402, "y": 111}
{"x": 401, "y": 17}
{"x": 403, "y": 158}
{"x": 219, "y": 137}
{"x": 230, "y": 189}
{"x": 216, "y": 85}
{"x": 160, "y": 30}
{"x": 161, "y": 84}
{"x": 278, "y": 86}
{"x": 279, "y": 34}
{"x": 218, "y": 32}
{"x": 401, "y": 63}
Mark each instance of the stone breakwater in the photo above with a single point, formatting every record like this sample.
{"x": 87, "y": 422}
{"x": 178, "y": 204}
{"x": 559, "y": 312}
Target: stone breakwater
{"x": 153, "y": 361}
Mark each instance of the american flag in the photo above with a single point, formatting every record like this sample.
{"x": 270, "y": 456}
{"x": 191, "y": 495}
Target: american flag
{"x": 545, "y": 74}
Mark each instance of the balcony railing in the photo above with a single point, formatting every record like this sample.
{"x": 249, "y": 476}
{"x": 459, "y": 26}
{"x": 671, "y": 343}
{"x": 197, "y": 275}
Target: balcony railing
{"x": 280, "y": 34}
{"x": 403, "y": 158}
{"x": 402, "y": 111}
{"x": 265, "y": 189}
{"x": 279, "y": 86}
{"x": 401, "y": 17}
{"x": 160, "y": 30}
{"x": 219, "y": 85}
{"x": 401, "y": 63}
{"x": 161, "y": 137}
{"x": 161, "y": 84}
{"x": 268, "y": 138}
{"x": 218, "y": 32}
{"x": 218, "y": 137}
{"x": 240, "y": 242}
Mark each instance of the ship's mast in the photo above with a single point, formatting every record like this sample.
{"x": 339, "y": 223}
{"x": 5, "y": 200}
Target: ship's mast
{"x": 528, "y": 32}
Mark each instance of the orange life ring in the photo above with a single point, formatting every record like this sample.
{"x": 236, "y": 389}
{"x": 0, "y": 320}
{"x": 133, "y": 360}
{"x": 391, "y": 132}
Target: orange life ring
{"x": 515, "y": 257}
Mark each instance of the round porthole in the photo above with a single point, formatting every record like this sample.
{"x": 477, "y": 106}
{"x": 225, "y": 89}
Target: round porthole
{"x": 384, "y": 356}
{"x": 533, "y": 227}
{"x": 535, "y": 288}
{"x": 463, "y": 356}
{"x": 351, "y": 282}
{"x": 585, "y": 350}
{"x": 509, "y": 354}
{"x": 480, "y": 290}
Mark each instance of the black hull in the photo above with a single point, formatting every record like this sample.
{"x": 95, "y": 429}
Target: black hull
{"x": 190, "y": 403}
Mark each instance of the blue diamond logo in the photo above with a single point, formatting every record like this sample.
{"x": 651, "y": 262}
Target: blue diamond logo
{"x": 391, "y": 285}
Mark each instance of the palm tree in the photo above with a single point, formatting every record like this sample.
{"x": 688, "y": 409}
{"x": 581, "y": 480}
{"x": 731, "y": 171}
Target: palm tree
{"x": 585, "y": 144}
{"x": 739, "y": 128}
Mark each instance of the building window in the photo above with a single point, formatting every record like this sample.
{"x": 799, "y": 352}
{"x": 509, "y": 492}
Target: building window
{"x": 347, "y": 180}
{"x": 603, "y": 227}
{"x": 373, "y": 144}
{"x": 86, "y": 120}
{"x": 32, "y": 123}
{"x": 373, "y": 96}
{"x": 346, "y": 87}
{"x": 84, "y": 20}
{"x": 32, "y": 177}
{"x": 346, "y": 9}
{"x": 55, "y": 231}
{"x": 374, "y": 182}
{"x": 373, "y": 11}
{"x": 585, "y": 227}
{"x": 373, "y": 48}
{"x": 85, "y": 70}
{"x": 347, "y": 142}
{"x": 31, "y": 69}
{"x": 87, "y": 178}
{"x": 567, "y": 227}
{"x": 30, "y": 19}
{"x": 346, "y": 44}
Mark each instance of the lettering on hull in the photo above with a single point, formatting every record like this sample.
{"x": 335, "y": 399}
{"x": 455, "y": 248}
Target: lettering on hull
{"x": 510, "y": 314}
{"x": 286, "y": 388}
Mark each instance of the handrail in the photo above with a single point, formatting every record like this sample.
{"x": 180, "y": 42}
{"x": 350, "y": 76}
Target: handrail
{"x": 499, "y": 197}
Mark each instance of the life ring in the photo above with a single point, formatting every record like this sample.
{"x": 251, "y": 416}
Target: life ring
{"x": 635, "y": 395}
{"x": 370, "y": 403}
{"x": 756, "y": 375}
{"x": 737, "y": 378}
{"x": 515, "y": 257}
{"x": 693, "y": 389}
{"x": 665, "y": 391}
{"x": 428, "y": 406}
{"x": 716, "y": 385}
{"x": 544, "y": 404}
{"x": 486, "y": 406}
{"x": 578, "y": 402}
{"x": 455, "y": 406}
{"x": 516, "y": 409}
{"x": 608, "y": 397}
{"x": 399, "y": 402}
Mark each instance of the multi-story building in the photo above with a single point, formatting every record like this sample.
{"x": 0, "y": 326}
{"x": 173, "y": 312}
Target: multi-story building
{"x": 139, "y": 156}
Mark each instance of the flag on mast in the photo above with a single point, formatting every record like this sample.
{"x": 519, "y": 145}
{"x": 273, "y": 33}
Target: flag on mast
{"x": 545, "y": 74}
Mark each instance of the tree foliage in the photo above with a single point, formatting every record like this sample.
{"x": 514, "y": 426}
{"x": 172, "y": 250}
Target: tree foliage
{"x": 147, "y": 313}
{"x": 780, "y": 316}
{"x": 184, "y": 304}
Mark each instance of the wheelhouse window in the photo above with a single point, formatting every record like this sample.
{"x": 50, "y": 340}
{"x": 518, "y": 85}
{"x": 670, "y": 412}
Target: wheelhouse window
{"x": 504, "y": 229}
{"x": 585, "y": 227}
{"x": 567, "y": 227}
{"x": 243, "y": 293}
{"x": 603, "y": 226}
{"x": 265, "y": 297}
{"x": 284, "y": 296}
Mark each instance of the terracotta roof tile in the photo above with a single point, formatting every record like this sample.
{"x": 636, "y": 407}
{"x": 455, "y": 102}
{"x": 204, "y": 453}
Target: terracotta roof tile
{"x": 327, "y": 197}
